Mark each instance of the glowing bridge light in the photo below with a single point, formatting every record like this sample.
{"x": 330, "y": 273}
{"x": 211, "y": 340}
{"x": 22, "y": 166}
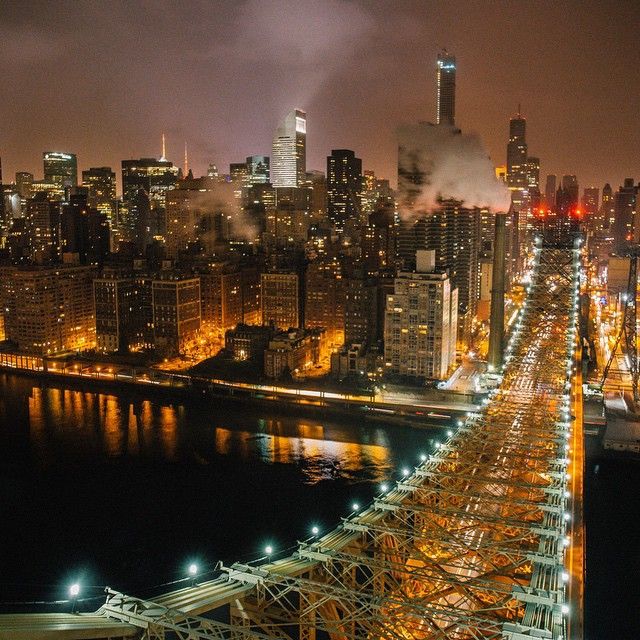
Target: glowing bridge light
{"x": 315, "y": 530}
{"x": 384, "y": 487}
{"x": 405, "y": 472}
{"x": 193, "y": 569}
{"x": 74, "y": 590}
{"x": 355, "y": 506}
{"x": 268, "y": 549}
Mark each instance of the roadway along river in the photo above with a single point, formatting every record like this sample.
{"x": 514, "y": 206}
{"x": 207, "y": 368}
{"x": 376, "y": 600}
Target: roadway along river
{"x": 124, "y": 490}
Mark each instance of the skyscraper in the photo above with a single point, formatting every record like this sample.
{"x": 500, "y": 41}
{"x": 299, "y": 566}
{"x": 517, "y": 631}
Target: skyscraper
{"x": 257, "y": 170}
{"x": 591, "y": 208}
{"x": 344, "y": 187}
{"x": 446, "y": 87}
{"x": 101, "y": 185}
{"x": 60, "y": 168}
{"x": 24, "y": 184}
{"x": 145, "y": 183}
{"x": 625, "y": 213}
{"x": 289, "y": 151}
{"x": 570, "y": 185}
{"x": 550, "y": 191}
{"x": 517, "y": 153}
{"x": 608, "y": 209}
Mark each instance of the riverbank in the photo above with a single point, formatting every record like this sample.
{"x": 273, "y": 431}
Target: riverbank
{"x": 405, "y": 408}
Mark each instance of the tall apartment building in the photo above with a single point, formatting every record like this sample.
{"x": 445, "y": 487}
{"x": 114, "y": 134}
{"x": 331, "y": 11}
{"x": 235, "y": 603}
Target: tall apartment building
{"x": 360, "y": 309}
{"x": 176, "y": 312}
{"x": 124, "y": 313}
{"x": 421, "y": 322}
{"x": 49, "y": 310}
{"x": 42, "y": 229}
{"x": 280, "y": 295}
{"x": 324, "y": 300}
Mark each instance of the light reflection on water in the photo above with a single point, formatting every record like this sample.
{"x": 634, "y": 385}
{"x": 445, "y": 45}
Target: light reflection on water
{"x": 318, "y": 458}
{"x": 109, "y": 426}
{"x": 127, "y": 487}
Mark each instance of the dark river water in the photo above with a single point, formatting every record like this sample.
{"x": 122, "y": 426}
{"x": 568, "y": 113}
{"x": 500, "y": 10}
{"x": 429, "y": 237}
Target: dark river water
{"x": 126, "y": 490}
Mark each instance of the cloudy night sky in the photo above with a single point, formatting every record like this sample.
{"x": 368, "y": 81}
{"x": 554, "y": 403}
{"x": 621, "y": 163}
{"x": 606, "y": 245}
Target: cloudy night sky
{"x": 105, "y": 79}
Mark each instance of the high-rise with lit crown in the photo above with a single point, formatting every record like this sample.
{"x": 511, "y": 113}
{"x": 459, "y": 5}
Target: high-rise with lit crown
{"x": 446, "y": 102}
{"x": 60, "y": 168}
{"x": 289, "y": 151}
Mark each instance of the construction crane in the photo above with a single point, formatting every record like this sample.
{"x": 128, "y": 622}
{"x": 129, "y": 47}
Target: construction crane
{"x": 628, "y": 330}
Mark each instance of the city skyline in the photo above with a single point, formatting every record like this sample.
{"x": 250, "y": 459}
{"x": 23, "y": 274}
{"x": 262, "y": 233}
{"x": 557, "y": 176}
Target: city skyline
{"x": 355, "y": 94}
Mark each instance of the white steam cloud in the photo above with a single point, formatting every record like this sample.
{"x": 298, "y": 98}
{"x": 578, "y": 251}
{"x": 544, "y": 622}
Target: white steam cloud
{"x": 218, "y": 200}
{"x": 450, "y": 165}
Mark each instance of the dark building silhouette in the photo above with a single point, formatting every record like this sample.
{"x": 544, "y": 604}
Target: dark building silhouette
{"x": 344, "y": 187}
{"x": 145, "y": 183}
{"x": 84, "y": 231}
{"x": 624, "y": 213}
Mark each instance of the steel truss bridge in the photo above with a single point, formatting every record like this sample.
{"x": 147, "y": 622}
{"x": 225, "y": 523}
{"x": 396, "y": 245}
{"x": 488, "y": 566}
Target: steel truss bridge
{"x": 474, "y": 543}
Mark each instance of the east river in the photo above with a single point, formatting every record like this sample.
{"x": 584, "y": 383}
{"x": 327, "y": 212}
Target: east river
{"x": 125, "y": 489}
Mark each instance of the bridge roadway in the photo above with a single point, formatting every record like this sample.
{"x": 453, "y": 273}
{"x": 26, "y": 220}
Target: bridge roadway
{"x": 476, "y": 542}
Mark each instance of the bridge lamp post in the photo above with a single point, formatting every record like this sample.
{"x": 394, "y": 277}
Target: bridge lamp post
{"x": 355, "y": 506}
{"x": 268, "y": 550}
{"x": 74, "y": 592}
{"x": 193, "y": 572}
{"x": 315, "y": 530}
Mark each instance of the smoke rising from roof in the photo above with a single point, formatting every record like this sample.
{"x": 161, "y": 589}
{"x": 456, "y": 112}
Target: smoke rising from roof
{"x": 448, "y": 165}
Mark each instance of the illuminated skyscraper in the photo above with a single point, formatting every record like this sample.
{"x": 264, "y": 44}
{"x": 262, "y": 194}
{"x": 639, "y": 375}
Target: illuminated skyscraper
{"x": 101, "y": 185}
{"x": 289, "y": 151}
{"x": 344, "y": 187}
{"x": 446, "y": 98}
{"x": 60, "y": 168}
{"x": 257, "y": 170}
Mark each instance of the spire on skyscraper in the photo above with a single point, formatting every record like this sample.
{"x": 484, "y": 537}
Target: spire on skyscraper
{"x": 186, "y": 159}
{"x": 163, "y": 157}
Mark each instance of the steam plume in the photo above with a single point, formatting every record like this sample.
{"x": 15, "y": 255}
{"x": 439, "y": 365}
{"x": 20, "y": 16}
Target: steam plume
{"x": 448, "y": 165}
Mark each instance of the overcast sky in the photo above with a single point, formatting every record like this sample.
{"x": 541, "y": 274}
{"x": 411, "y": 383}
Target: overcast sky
{"x": 105, "y": 79}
